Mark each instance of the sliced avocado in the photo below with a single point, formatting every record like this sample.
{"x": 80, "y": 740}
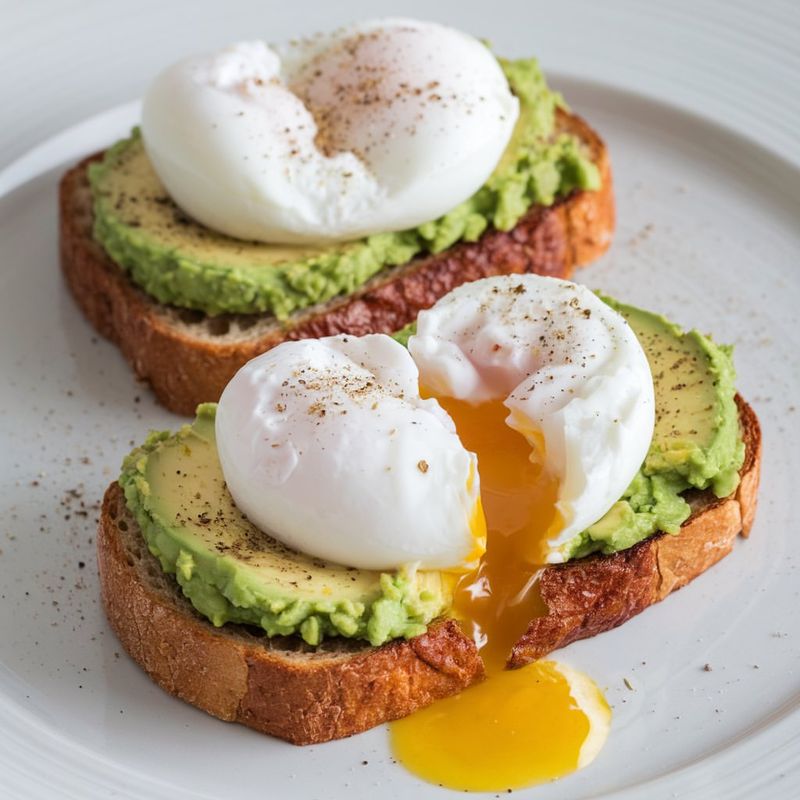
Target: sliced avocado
{"x": 233, "y": 572}
{"x": 696, "y": 442}
{"x": 178, "y": 261}
{"x": 697, "y": 423}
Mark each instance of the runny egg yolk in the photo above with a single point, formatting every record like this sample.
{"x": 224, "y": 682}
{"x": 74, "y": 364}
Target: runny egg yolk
{"x": 519, "y": 727}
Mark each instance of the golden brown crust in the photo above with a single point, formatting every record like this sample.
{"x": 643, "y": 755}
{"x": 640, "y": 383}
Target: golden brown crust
{"x": 237, "y": 676}
{"x": 595, "y": 594}
{"x": 185, "y": 368}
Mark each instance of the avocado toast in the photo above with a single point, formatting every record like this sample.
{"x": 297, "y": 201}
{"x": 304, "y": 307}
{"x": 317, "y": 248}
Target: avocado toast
{"x": 188, "y": 309}
{"x": 702, "y": 469}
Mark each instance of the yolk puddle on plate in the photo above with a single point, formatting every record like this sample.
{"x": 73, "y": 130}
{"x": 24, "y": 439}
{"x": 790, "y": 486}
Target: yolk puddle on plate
{"x": 518, "y": 727}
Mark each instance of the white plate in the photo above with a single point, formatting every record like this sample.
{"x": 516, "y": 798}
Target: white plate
{"x": 707, "y": 234}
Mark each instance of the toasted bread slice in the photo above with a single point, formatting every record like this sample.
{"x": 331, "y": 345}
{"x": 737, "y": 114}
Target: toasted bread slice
{"x": 305, "y": 695}
{"x": 188, "y": 357}
{"x": 279, "y": 686}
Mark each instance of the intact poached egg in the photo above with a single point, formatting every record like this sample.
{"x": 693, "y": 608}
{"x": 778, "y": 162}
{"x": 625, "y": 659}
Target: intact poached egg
{"x": 376, "y": 127}
{"x": 327, "y": 445}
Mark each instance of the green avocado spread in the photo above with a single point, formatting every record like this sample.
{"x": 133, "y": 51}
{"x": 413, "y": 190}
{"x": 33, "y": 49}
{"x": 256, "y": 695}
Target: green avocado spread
{"x": 233, "y": 572}
{"x": 178, "y": 261}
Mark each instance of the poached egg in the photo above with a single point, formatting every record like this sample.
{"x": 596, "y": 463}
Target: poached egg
{"x": 379, "y": 126}
{"x": 327, "y": 445}
{"x": 565, "y": 368}
{"x": 550, "y": 388}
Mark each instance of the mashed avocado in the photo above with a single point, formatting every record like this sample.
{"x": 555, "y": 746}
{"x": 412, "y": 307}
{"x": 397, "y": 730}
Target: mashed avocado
{"x": 233, "y": 572}
{"x": 181, "y": 262}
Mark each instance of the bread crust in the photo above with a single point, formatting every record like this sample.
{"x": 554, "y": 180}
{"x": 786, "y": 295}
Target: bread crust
{"x": 306, "y": 697}
{"x": 185, "y": 369}
{"x": 301, "y": 696}
{"x": 598, "y": 593}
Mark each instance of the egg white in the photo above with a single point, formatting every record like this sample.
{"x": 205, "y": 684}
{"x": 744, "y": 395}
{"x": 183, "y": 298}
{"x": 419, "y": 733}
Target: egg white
{"x": 376, "y": 127}
{"x": 327, "y": 445}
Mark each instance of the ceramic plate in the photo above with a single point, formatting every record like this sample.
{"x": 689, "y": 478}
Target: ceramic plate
{"x": 704, "y": 687}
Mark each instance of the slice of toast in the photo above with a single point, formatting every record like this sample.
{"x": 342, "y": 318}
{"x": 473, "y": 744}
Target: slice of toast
{"x": 286, "y": 689}
{"x": 189, "y": 357}
{"x": 279, "y": 686}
